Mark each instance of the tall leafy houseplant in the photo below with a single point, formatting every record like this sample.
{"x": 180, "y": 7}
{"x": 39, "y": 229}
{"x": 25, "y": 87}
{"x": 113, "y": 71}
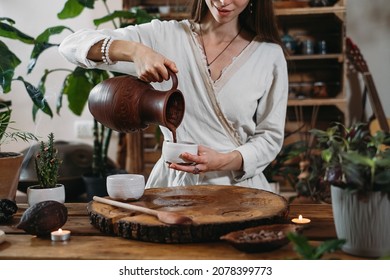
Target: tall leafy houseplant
{"x": 357, "y": 165}
{"x": 10, "y": 162}
{"x": 78, "y": 83}
{"x": 7, "y": 131}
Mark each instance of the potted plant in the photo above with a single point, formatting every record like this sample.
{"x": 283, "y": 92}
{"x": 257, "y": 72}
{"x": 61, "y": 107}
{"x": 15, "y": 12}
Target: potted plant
{"x": 78, "y": 83}
{"x": 284, "y": 168}
{"x": 10, "y": 162}
{"x": 310, "y": 186}
{"x": 47, "y": 164}
{"x": 357, "y": 166}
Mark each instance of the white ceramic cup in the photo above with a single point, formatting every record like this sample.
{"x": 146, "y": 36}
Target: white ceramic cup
{"x": 171, "y": 151}
{"x": 125, "y": 186}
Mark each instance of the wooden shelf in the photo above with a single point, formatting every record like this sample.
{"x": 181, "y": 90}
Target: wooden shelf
{"x": 310, "y": 11}
{"x": 317, "y": 101}
{"x": 339, "y": 57}
{"x": 318, "y": 23}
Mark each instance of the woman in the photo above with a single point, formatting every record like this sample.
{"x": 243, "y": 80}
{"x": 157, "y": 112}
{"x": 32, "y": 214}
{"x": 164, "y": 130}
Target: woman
{"x": 232, "y": 71}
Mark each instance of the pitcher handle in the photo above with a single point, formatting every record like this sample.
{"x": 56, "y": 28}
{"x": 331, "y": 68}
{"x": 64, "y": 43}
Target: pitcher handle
{"x": 174, "y": 79}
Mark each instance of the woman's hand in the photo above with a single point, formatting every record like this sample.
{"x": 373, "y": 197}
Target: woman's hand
{"x": 150, "y": 65}
{"x": 210, "y": 160}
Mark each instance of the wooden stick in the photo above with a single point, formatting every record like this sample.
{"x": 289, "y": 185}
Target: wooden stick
{"x": 126, "y": 206}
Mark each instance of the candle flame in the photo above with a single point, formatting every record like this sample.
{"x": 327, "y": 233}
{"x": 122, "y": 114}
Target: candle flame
{"x": 60, "y": 230}
{"x": 300, "y": 217}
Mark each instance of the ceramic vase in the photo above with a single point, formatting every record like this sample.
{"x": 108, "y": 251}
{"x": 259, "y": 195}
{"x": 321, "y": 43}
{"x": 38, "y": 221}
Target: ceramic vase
{"x": 37, "y": 194}
{"x": 364, "y": 224}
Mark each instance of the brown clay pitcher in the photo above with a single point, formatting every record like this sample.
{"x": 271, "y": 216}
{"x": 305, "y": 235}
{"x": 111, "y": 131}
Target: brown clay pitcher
{"x": 128, "y": 104}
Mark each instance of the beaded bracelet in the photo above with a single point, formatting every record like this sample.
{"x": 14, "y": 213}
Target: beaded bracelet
{"x": 109, "y": 61}
{"x": 105, "y": 50}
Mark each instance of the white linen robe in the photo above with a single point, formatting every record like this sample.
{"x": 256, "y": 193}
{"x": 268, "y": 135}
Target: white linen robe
{"x": 243, "y": 110}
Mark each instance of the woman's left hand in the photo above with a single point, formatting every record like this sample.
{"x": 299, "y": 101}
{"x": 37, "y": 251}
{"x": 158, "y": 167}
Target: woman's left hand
{"x": 209, "y": 160}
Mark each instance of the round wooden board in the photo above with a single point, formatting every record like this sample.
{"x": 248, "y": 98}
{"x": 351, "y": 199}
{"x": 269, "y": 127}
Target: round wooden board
{"x": 215, "y": 211}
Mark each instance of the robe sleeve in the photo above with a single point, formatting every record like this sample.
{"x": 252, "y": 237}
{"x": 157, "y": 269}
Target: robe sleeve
{"x": 75, "y": 47}
{"x": 262, "y": 147}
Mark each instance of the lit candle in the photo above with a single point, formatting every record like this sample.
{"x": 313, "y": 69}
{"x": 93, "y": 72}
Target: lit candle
{"x": 60, "y": 235}
{"x": 300, "y": 220}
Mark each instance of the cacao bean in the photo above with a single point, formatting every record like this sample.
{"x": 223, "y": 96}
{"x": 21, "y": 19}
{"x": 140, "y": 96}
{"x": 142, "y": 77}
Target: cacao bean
{"x": 43, "y": 218}
{"x": 7, "y": 209}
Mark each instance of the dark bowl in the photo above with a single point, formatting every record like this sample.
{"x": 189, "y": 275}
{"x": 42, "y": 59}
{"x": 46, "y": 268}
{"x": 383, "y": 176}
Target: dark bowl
{"x": 261, "y": 238}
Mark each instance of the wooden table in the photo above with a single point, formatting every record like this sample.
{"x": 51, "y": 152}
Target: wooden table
{"x": 89, "y": 243}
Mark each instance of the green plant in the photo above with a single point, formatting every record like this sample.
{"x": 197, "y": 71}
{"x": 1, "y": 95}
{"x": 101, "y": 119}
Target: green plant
{"x": 354, "y": 159}
{"x": 283, "y": 167}
{"x": 78, "y": 83}
{"x": 310, "y": 183}
{"x": 8, "y": 133}
{"x": 47, "y": 163}
{"x": 309, "y": 252}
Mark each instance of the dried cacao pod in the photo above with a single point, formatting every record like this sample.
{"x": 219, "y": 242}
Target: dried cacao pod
{"x": 7, "y": 209}
{"x": 43, "y": 218}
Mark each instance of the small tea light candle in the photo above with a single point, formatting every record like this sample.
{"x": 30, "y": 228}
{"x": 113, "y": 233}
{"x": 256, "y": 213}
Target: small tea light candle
{"x": 60, "y": 235}
{"x": 300, "y": 220}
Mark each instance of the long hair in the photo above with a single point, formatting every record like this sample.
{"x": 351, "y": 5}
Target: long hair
{"x": 258, "y": 18}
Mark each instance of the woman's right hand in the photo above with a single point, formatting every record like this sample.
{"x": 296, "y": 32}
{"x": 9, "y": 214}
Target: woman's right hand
{"x": 150, "y": 65}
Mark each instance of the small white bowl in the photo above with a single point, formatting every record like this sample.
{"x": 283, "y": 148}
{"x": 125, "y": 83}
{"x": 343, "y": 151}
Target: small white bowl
{"x": 171, "y": 151}
{"x": 125, "y": 186}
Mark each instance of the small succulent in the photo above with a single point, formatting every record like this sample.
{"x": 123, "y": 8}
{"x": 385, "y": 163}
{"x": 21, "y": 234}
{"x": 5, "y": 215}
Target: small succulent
{"x": 47, "y": 163}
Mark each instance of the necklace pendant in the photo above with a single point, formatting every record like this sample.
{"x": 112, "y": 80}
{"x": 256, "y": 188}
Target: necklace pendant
{"x": 221, "y": 52}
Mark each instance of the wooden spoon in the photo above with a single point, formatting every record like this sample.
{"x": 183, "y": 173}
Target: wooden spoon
{"x": 171, "y": 218}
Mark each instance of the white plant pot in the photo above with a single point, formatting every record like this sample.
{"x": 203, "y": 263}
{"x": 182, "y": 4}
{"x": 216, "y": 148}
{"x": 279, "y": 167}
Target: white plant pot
{"x": 365, "y": 225}
{"x": 35, "y": 194}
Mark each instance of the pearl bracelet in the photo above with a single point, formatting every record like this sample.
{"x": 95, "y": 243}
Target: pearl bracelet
{"x": 105, "y": 50}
